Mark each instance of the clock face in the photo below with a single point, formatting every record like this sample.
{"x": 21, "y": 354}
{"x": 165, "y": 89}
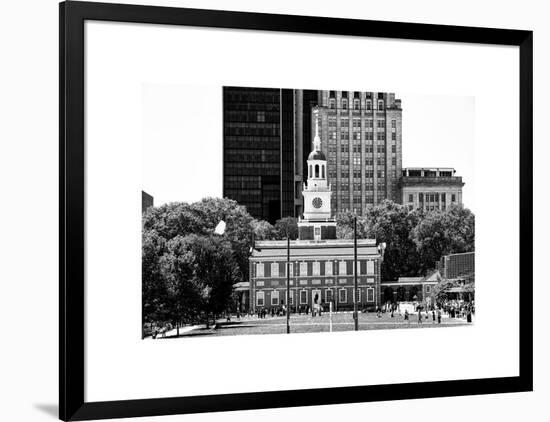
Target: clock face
{"x": 317, "y": 202}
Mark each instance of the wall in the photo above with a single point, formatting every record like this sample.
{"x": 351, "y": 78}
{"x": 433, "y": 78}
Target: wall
{"x": 28, "y": 171}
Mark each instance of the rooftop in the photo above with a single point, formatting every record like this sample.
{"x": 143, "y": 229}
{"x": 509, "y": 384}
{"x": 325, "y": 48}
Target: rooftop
{"x": 323, "y": 249}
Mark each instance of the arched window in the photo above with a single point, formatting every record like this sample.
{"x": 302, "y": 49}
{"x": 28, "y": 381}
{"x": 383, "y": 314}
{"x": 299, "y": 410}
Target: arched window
{"x": 380, "y": 105}
{"x": 310, "y": 171}
{"x": 356, "y": 104}
{"x": 368, "y": 105}
{"x": 344, "y": 104}
{"x": 323, "y": 171}
{"x": 317, "y": 170}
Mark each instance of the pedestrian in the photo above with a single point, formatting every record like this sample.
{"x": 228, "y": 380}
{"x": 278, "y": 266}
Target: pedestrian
{"x": 433, "y": 316}
{"x": 438, "y": 315}
{"x": 419, "y": 316}
{"x": 469, "y": 316}
{"x": 406, "y": 317}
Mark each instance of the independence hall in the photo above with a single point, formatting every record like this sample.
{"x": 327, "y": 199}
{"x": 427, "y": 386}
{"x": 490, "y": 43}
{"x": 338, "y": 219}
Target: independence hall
{"x": 321, "y": 267}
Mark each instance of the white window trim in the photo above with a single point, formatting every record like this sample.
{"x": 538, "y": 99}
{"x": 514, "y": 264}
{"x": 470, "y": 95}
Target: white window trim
{"x": 342, "y": 268}
{"x": 358, "y": 294}
{"x": 274, "y": 269}
{"x": 328, "y": 268}
{"x": 260, "y": 274}
{"x": 275, "y": 295}
{"x": 370, "y": 267}
{"x": 260, "y": 294}
{"x": 345, "y": 296}
{"x": 370, "y": 289}
{"x": 302, "y": 302}
{"x": 302, "y": 266}
{"x": 316, "y": 268}
{"x": 326, "y": 295}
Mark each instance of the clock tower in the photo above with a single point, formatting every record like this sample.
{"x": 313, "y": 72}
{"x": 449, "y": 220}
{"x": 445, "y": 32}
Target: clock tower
{"x": 317, "y": 223}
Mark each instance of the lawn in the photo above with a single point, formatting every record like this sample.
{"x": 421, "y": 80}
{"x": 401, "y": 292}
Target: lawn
{"x": 342, "y": 321}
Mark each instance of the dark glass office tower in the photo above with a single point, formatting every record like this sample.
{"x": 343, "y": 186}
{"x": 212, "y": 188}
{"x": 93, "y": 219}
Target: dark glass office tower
{"x": 252, "y": 150}
{"x": 265, "y": 145}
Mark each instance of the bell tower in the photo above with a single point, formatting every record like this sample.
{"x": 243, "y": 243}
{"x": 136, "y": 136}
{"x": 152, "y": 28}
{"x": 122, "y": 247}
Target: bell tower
{"x": 317, "y": 223}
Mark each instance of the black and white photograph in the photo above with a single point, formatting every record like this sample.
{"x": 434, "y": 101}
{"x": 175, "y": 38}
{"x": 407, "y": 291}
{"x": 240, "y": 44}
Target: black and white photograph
{"x": 282, "y": 210}
{"x": 260, "y": 211}
{"x": 273, "y": 210}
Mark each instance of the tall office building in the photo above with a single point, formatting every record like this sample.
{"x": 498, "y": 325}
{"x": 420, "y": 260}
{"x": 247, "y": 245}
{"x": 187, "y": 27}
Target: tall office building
{"x": 267, "y": 136}
{"x": 361, "y": 132}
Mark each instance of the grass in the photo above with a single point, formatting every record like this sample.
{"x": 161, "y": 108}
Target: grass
{"x": 342, "y": 321}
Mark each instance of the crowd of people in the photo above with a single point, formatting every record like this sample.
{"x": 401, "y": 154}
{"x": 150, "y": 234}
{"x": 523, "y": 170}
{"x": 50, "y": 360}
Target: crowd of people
{"x": 458, "y": 308}
{"x": 420, "y": 311}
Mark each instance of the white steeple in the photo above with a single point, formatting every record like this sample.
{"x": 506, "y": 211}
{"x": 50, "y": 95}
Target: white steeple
{"x": 318, "y": 222}
{"x": 316, "y": 139}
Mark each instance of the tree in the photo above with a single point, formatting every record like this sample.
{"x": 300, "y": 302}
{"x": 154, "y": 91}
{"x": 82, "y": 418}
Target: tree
{"x": 390, "y": 223}
{"x": 184, "y": 291}
{"x": 198, "y": 273}
{"x": 262, "y": 230}
{"x": 154, "y": 293}
{"x": 217, "y": 271}
{"x": 181, "y": 219}
{"x": 286, "y": 225}
{"x": 415, "y": 240}
{"x": 441, "y": 233}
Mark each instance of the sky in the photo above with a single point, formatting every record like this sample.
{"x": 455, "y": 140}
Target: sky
{"x": 182, "y": 139}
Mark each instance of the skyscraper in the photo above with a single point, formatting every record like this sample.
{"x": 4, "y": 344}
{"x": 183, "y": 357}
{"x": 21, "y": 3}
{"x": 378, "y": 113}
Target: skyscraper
{"x": 361, "y": 132}
{"x": 265, "y": 146}
{"x": 268, "y": 135}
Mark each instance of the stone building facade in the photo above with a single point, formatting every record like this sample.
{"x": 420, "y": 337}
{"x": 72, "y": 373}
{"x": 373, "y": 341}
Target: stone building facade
{"x": 362, "y": 136}
{"x": 430, "y": 188}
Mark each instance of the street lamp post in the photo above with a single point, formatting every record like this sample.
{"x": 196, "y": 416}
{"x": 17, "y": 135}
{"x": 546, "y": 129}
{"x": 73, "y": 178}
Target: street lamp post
{"x": 287, "y": 284}
{"x": 355, "y": 315}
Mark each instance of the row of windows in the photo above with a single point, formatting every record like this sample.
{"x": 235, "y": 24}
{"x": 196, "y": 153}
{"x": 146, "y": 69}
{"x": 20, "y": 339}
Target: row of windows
{"x": 369, "y": 174}
{"x": 356, "y": 123}
{"x": 432, "y": 197}
{"x": 277, "y": 296}
{"x": 344, "y": 136}
{"x": 277, "y": 269}
{"x": 356, "y": 160}
{"x": 356, "y": 104}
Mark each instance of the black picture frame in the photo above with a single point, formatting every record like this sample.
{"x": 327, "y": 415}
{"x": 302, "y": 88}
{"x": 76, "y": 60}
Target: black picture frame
{"x": 72, "y": 16}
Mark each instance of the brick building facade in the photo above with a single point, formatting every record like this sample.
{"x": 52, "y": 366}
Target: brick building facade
{"x": 317, "y": 267}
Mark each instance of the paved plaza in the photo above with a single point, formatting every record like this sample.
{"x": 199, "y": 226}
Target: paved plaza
{"x": 341, "y": 321}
